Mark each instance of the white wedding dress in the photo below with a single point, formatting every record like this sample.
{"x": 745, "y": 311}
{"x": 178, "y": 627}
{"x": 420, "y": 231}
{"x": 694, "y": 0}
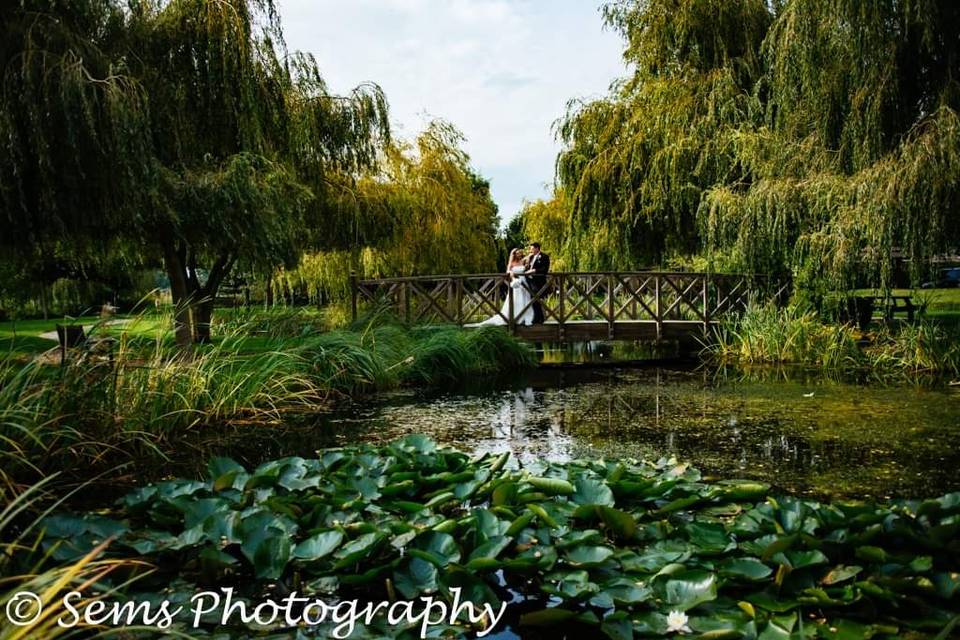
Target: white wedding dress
{"x": 521, "y": 302}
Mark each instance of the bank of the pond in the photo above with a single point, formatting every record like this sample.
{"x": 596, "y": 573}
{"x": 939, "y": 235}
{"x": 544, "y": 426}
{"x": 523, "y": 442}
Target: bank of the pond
{"x": 615, "y": 548}
{"x": 98, "y": 410}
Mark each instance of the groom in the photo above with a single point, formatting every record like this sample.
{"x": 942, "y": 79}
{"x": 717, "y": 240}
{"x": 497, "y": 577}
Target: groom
{"x": 537, "y": 270}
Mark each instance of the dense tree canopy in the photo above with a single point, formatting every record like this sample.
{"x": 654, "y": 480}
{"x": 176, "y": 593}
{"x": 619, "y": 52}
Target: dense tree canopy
{"x": 811, "y": 136}
{"x": 180, "y": 127}
{"x": 422, "y": 210}
{"x": 437, "y": 208}
{"x": 545, "y": 221}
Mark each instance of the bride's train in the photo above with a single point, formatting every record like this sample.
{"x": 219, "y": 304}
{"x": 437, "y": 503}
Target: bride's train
{"x": 521, "y": 302}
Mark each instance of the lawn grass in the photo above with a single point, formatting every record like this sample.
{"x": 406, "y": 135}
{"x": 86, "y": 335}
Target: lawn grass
{"x": 24, "y": 338}
{"x": 19, "y": 328}
{"x": 941, "y": 303}
{"x": 21, "y": 338}
{"x": 264, "y": 329}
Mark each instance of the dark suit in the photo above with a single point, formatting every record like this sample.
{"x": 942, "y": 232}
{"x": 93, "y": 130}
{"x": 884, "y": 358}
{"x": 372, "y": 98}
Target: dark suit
{"x": 537, "y": 281}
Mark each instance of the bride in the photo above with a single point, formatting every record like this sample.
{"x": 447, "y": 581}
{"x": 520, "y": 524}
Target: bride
{"x": 516, "y": 267}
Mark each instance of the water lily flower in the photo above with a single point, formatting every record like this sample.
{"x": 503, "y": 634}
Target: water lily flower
{"x": 677, "y": 622}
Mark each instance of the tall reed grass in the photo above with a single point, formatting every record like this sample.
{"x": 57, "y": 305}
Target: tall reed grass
{"x": 382, "y": 356}
{"x": 26, "y": 565}
{"x": 796, "y": 335}
{"x": 770, "y": 334}
{"x": 95, "y": 409}
{"x": 924, "y": 347}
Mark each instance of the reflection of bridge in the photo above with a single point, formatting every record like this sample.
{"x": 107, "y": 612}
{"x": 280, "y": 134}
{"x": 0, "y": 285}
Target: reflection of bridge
{"x": 631, "y": 305}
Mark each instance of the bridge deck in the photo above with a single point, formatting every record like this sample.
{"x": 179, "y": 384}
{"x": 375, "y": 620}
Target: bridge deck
{"x": 631, "y": 305}
{"x": 583, "y": 330}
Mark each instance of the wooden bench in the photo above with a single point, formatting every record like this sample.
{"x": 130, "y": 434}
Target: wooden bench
{"x": 72, "y": 336}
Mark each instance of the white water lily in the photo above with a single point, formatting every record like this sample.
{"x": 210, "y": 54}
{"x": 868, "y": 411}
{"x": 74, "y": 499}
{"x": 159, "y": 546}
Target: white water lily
{"x": 677, "y": 622}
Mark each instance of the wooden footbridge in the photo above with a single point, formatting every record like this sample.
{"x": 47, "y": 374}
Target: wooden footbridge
{"x": 627, "y": 305}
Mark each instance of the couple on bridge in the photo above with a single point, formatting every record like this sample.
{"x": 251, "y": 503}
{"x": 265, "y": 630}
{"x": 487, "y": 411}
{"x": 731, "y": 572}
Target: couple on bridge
{"x": 528, "y": 276}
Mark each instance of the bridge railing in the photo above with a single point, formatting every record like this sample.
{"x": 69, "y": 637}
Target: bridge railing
{"x": 660, "y": 298}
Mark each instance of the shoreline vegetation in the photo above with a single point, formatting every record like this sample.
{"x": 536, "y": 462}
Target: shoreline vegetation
{"x": 626, "y": 551}
{"x": 263, "y": 365}
{"x": 796, "y": 335}
{"x": 99, "y": 410}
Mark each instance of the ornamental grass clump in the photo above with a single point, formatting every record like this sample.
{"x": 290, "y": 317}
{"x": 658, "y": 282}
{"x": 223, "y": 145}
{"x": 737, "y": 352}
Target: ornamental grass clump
{"x": 379, "y": 353}
{"x": 923, "y": 347}
{"x": 793, "y": 335}
{"x": 788, "y": 335}
{"x": 22, "y": 577}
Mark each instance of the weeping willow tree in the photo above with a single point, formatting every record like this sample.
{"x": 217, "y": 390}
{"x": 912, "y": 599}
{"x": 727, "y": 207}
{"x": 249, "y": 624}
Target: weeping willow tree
{"x": 636, "y": 163}
{"x": 810, "y": 136}
{"x": 439, "y": 209}
{"x": 546, "y": 222}
{"x": 423, "y": 210}
{"x": 182, "y": 127}
{"x": 246, "y": 139}
{"x": 73, "y": 138}
{"x": 859, "y": 151}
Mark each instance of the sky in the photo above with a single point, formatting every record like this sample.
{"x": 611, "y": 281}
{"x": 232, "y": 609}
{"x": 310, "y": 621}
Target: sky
{"x": 502, "y": 71}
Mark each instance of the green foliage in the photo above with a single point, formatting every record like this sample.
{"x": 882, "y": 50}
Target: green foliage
{"x": 21, "y": 530}
{"x": 137, "y": 402}
{"x": 178, "y": 130}
{"x": 926, "y": 346}
{"x": 439, "y": 210}
{"x": 600, "y": 547}
{"x": 636, "y": 164}
{"x": 73, "y": 125}
{"x": 804, "y": 136}
{"x": 277, "y": 322}
{"x": 378, "y": 355}
{"x": 423, "y": 210}
{"x": 547, "y": 222}
{"x": 797, "y": 335}
{"x": 769, "y": 334}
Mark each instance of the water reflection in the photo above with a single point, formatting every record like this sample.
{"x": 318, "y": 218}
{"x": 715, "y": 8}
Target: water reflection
{"x": 808, "y": 436}
{"x": 805, "y": 434}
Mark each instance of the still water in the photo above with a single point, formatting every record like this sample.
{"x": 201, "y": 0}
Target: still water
{"x": 803, "y": 434}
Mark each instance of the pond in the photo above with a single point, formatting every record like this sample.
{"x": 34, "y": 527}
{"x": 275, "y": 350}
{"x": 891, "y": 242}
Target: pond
{"x": 801, "y": 433}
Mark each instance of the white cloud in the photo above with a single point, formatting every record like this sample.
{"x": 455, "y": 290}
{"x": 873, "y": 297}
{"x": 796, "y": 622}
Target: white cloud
{"x": 500, "y": 70}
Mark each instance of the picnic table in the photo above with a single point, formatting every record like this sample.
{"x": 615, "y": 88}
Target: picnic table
{"x": 892, "y": 305}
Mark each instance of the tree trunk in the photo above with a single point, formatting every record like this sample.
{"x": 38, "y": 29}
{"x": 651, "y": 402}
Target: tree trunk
{"x": 207, "y": 296}
{"x": 268, "y": 297}
{"x": 192, "y": 303}
{"x": 174, "y": 261}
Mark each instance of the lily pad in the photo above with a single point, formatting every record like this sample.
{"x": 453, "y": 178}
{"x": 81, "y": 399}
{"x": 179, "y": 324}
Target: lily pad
{"x": 318, "y": 546}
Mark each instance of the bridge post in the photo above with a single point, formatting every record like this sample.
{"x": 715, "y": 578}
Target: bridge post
{"x": 656, "y": 307}
{"x": 405, "y": 291}
{"x": 706, "y": 307}
{"x": 561, "y": 321}
{"x": 353, "y": 295}
{"x": 458, "y": 317}
{"x": 611, "y": 306}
